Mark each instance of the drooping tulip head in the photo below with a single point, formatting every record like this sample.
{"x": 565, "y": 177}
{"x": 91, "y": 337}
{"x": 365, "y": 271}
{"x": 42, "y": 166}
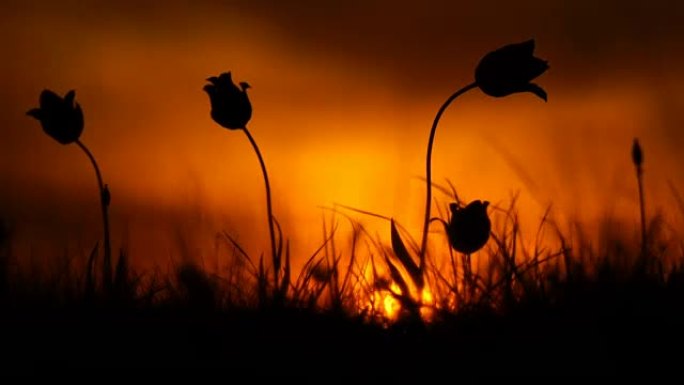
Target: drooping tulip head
{"x": 61, "y": 118}
{"x": 511, "y": 69}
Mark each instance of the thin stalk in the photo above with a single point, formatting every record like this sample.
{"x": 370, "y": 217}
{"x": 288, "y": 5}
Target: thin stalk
{"x": 428, "y": 169}
{"x": 642, "y": 210}
{"x": 269, "y": 209}
{"x": 104, "y": 203}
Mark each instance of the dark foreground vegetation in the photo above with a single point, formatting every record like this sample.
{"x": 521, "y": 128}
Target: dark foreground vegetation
{"x": 618, "y": 315}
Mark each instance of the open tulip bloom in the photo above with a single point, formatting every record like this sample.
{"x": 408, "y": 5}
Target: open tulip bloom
{"x": 505, "y": 71}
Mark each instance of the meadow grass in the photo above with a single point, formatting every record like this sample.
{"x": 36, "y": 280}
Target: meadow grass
{"x": 590, "y": 304}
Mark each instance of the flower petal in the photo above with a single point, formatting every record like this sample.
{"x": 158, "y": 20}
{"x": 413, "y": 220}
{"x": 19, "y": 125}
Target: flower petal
{"x": 210, "y": 89}
{"x": 49, "y": 99}
{"x": 35, "y": 113}
{"x": 527, "y": 47}
{"x": 69, "y": 98}
{"x": 535, "y": 89}
{"x": 536, "y": 67}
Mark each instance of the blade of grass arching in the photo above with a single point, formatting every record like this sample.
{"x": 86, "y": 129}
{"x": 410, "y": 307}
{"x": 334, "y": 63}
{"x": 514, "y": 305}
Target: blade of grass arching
{"x": 438, "y": 186}
{"x": 454, "y": 193}
{"x": 364, "y": 212}
{"x": 404, "y": 257}
{"x": 307, "y": 269}
{"x": 243, "y": 253}
{"x": 352, "y": 258}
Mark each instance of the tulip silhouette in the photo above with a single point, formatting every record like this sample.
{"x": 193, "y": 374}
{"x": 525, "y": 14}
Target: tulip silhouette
{"x": 231, "y": 109}
{"x": 469, "y": 227}
{"x": 62, "y": 119}
{"x": 511, "y": 69}
{"x": 502, "y": 72}
{"x": 230, "y": 106}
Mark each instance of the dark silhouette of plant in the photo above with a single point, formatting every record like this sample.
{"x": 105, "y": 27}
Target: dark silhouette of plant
{"x": 507, "y": 70}
{"x": 231, "y": 109}
{"x": 469, "y": 226}
{"x": 62, "y": 119}
{"x": 638, "y": 160}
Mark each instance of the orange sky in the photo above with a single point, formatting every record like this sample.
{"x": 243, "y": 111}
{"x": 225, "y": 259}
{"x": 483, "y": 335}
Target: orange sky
{"x": 344, "y": 94}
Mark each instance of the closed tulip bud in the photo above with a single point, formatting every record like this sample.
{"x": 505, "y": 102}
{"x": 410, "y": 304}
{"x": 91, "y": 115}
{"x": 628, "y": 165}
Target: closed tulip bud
{"x": 469, "y": 227}
{"x": 511, "y": 69}
{"x": 230, "y": 105}
{"x": 61, "y": 118}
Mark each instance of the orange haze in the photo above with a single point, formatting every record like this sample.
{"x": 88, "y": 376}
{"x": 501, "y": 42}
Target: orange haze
{"x": 344, "y": 95}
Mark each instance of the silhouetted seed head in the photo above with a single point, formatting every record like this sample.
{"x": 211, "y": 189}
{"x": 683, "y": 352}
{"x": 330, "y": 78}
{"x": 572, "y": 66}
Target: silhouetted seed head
{"x": 61, "y": 118}
{"x": 230, "y": 106}
{"x": 637, "y": 154}
{"x": 469, "y": 227}
{"x": 511, "y": 69}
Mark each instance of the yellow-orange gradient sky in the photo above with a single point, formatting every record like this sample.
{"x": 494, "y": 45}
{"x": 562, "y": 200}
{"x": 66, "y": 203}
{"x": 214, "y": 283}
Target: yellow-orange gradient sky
{"x": 344, "y": 93}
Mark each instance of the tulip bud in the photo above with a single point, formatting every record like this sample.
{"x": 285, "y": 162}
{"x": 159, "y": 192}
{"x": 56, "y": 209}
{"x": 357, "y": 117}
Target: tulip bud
{"x": 469, "y": 227}
{"x": 230, "y": 105}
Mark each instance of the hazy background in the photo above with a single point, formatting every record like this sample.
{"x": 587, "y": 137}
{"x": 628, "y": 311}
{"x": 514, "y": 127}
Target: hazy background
{"x": 344, "y": 94}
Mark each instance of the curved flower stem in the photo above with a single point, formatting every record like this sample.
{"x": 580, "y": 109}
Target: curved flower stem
{"x": 428, "y": 169}
{"x": 104, "y": 203}
{"x": 269, "y": 209}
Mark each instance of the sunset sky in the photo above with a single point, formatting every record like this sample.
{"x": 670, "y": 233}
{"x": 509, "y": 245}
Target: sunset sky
{"x": 344, "y": 93}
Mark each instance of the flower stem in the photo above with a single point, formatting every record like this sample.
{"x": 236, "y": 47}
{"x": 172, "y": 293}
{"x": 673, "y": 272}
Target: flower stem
{"x": 639, "y": 174}
{"x": 428, "y": 169}
{"x": 104, "y": 203}
{"x": 269, "y": 209}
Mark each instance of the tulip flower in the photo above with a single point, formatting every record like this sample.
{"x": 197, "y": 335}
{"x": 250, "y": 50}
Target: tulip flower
{"x": 469, "y": 227}
{"x": 507, "y": 70}
{"x": 231, "y": 109}
{"x": 230, "y": 105}
{"x": 510, "y": 69}
{"x": 62, "y": 120}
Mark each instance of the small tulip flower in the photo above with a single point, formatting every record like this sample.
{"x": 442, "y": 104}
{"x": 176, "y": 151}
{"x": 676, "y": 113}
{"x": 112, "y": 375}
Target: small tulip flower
{"x": 60, "y": 118}
{"x": 230, "y": 105}
{"x": 511, "y": 69}
{"x": 469, "y": 227}
{"x": 231, "y": 109}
